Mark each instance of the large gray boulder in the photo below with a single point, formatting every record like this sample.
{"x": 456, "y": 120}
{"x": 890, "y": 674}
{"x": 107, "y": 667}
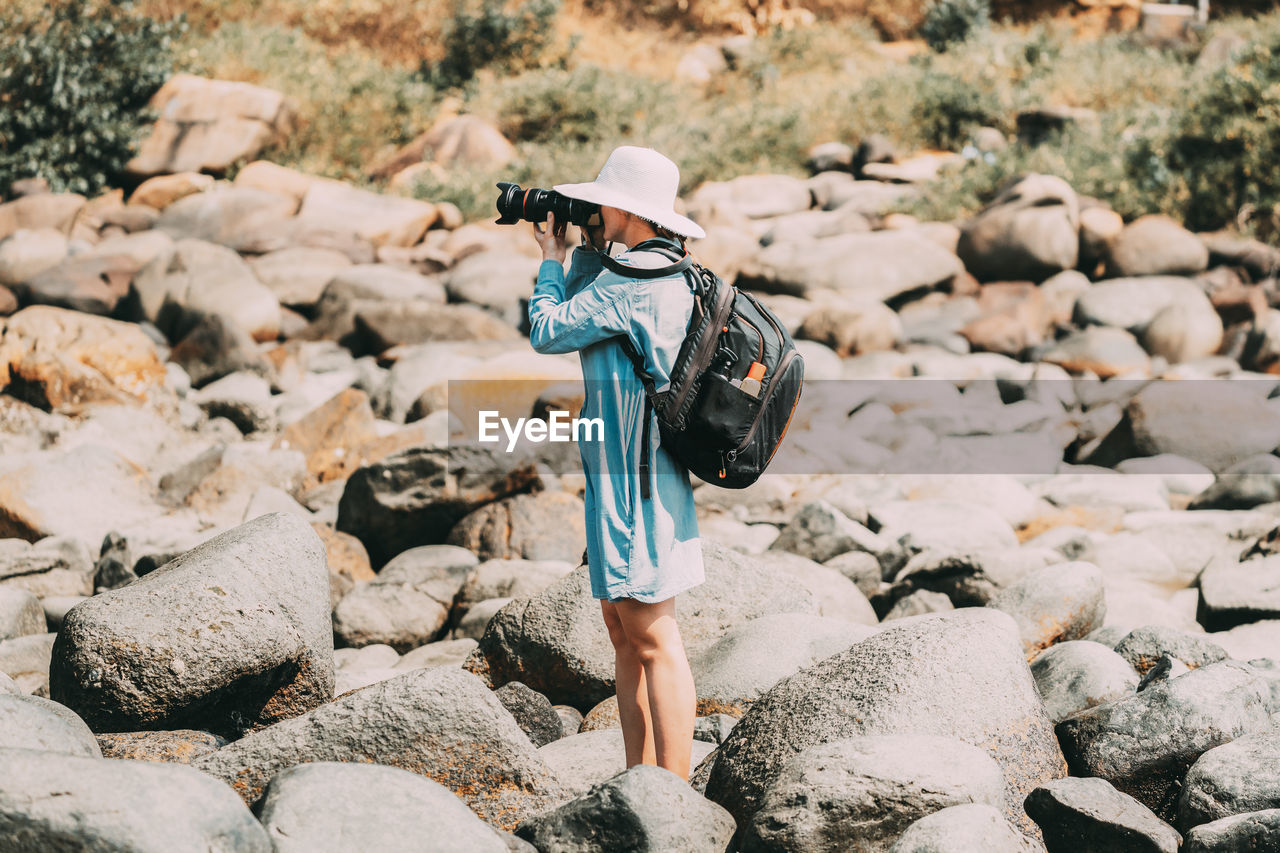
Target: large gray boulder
{"x": 1237, "y": 777}
{"x": 645, "y": 809}
{"x": 962, "y": 829}
{"x": 1234, "y": 593}
{"x": 1145, "y": 744}
{"x": 556, "y": 642}
{"x": 960, "y": 674}
{"x": 1061, "y": 602}
{"x": 588, "y": 758}
{"x": 30, "y": 722}
{"x": 1080, "y": 674}
{"x": 1144, "y": 647}
{"x": 53, "y": 566}
{"x": 863, "y": 792}
{"x": 233, "y": 634}
{"x": 26, "y": 661}
{"x": 1027, "y": 233}
{"x": 1089, "y": 814}
{"x": 328, "y": 807}
{"x": 442, "y": 723}
{"x": 1251, "y": 831}
{"x": 66, "y": 802}
{"x": 751, "y": 657}
{"x": 1156, "y": 245}
{"x": 20, "y": 613}
{"x": 415, "y": 497}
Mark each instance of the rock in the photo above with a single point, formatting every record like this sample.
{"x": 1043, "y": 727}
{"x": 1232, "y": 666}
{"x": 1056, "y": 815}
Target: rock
{"x": 320, "y": 806}
{"x": 1079, "y": 674}
{"x": 26, "y": 661}
{"x": 333, "y": 436}
{"x": 180, "y": 747}
{"x": 957, "y": 829}
{"x": 236, "y": 217}
{"x": 1132, "y": 303}
{"x": 819, "y": 531}
{"x": 1013, "y": 317}
{"x": 533, "y": 712}
{"x": 55, "y": 566}
{"x": 114, "y": 568}
{"x": 196, "y": 279}
{"x": 93, "y": 284}
{"x": 951, "y": 524}
{"x": 416, "y": 496}
{"x": 1237, "y": 777}
{"x": 1184, "y": 331}
{"x": 749, "y": 658}
{"x": 1059, "y": 602}
{"x": 233, "y": 634}
{"x": 8, "y": 301}
{"x": 84, "y": 493}
{"x": 830, "y": 156}
{"x": 216, "y": 347}
{"x": 1156, "y": 245}
{"x": 20, "y": 614}
{"x": 959, "y": 674}
{"x": 645, "y": 808}
{"x": 298, "y": 276}
{"x": 378, "y": 328}
{"x": 244, "y": 398}
{"x": 163, "y": 190}
{"x": 500, "y": 578}
{"x": 30, "y": 722}
{"x": 853, "y": 331}
{"x": 61, "y": 360}
{"x": 383, "y": 220}
{"x": 918, "y": 603}
{"x": 1103, "y": 350}
{"x": 880, "y": 266}
{"x": 861, "y": 793}
{"x": 1039, "y": 124}
{"x": 1166, "y": 417}
{"x": 476, "y": 620}
{"x": 1144, "y": 646}
{"x": 25, "y": 254}
{"x": 1144, "y": 745}
{"x": 495, "y": 280}
{"x": 1252, "y": 831}
{"x": 1027, "y": 233}
{"x": 1089, "y": 814}
{"x": 207, "y": 125}
{"x": 837, "y": 596}
{"x": 543, "y": 526}
{"x": 440, "y": 653}
{"x": 1251, "y": 482}
{"x": 455, "y": 141}
{"x": 1234, "y": 593}
{"x": 56, "y": 211}
{"x": 441, "y": 723}
{"x": 556, "y": 642}
{"x": 755, "y": 196}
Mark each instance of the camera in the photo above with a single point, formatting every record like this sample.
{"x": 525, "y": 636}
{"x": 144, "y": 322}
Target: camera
{"x": 532, "y": 205}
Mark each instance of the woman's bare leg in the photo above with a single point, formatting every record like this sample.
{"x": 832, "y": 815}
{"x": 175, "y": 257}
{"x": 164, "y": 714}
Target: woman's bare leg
{"x": 633, "y": 698}
{"x": 654, "y": 638}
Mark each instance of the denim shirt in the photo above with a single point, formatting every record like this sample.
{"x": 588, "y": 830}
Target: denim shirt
{"x": 646, "y": 549}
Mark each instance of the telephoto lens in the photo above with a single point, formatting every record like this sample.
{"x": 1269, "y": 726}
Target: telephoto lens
{"x": 532, "y": 205}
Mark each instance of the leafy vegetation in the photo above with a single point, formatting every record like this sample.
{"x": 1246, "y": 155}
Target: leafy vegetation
{"x": 74, "y": 86}
{"x": 948, "y": 22}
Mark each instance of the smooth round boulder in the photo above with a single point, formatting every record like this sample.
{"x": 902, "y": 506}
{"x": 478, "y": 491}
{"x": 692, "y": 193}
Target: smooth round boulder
{"x": 960, "y": 674}
{"x": 321, "y": 807}
{"x": 1089, "y": 814}
{"x": 30, "y": 722}
{"x": 1237, "y": 777}
{"x": 66, "y": 802}
{"x": 1252, "y": 831}
{"x": 963, "y": 829}
{"x": 861, "y": 793}
{"x": 1080, "y": 674}
{"x": 1064, "y": 601}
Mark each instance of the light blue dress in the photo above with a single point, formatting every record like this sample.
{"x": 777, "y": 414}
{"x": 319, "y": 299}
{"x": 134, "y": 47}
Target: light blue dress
{"x": 646, "y": 549}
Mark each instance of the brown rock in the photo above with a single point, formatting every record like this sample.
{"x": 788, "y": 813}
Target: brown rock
{"x": 853, "y": 330}
{"x": 206, "y": 125}
{"x": 49, "y": 210}
{"x": 545, "y": 526}
{"x": 94, "y": 285}
{"x": 163, "y": 190}
{"x": 1014, "y": 316}
{"x": 264, "y": 175}
{"x": 8, "y": 301}
{"x": 181, "y": 746}
{"x": 380, "y": 327}
{"x": 380, "y": 219}
{"x": 59, "y": 359}
{"x": 348, "y": 561}
{"x": 332, "y": 435}
{"x": 466, "y": 141}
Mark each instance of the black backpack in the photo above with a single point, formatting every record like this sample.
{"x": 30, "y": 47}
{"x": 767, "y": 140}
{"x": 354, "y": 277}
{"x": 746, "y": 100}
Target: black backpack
{"x": 721, "y": 433}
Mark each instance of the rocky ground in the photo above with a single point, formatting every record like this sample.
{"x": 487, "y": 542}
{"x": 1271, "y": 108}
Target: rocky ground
{"x": 252, "y": 597}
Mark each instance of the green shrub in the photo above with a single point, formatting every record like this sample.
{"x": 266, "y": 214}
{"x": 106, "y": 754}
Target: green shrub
{"x": 948, "y": 22}
{"x": 74, "y": 86}
{"x": 511, "y": 41}
{"x": 947, "y": 109}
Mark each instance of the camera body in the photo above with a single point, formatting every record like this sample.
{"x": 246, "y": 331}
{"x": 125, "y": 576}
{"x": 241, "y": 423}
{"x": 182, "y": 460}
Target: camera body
{"x": 533, "y": 205}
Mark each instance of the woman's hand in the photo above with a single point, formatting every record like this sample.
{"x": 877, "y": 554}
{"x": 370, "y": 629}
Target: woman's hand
{"x": 551, "y": 238}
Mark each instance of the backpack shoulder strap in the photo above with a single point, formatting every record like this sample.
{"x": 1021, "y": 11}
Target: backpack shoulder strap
{"x": 682, "y": 263}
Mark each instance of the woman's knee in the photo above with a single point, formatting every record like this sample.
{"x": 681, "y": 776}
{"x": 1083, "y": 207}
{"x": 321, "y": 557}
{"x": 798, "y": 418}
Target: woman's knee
{"x": 613, "y": 624}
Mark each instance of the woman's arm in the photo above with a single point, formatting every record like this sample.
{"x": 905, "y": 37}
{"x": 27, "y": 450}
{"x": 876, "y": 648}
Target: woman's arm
{"x": 600, "y": 309}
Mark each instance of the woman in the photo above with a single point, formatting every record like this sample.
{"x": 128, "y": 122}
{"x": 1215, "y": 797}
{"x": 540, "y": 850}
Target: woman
{"x": 641, "y": 550}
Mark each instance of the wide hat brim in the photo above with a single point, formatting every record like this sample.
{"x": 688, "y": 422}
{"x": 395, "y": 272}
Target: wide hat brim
{"x": 599, "y": 194}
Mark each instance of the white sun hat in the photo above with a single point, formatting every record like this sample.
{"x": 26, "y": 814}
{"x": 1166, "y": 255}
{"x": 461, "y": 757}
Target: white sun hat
{"x": 640, "y": 181}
